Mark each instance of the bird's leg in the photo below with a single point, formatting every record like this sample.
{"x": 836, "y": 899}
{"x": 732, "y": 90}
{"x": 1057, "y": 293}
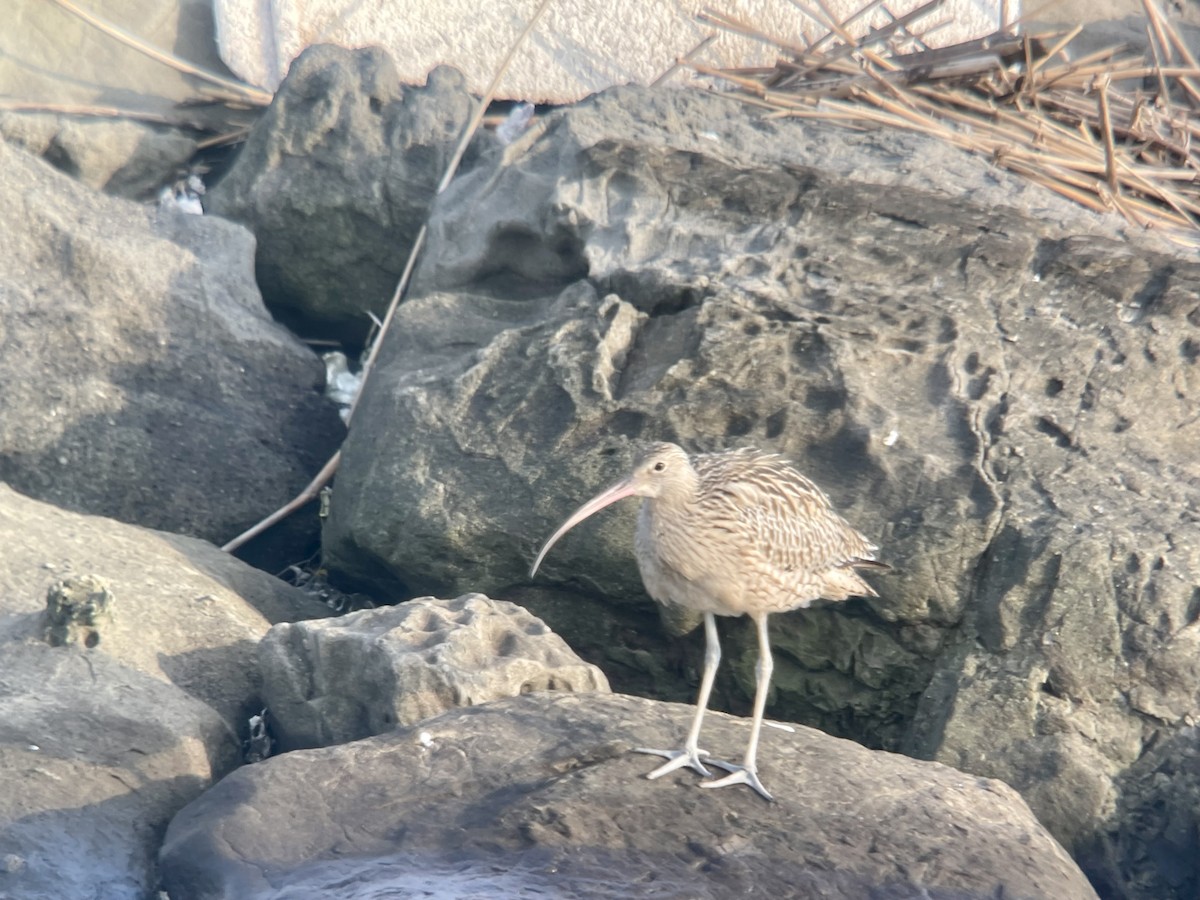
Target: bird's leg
{"x": 747, "y": 773}
{"x": 691, "y": 753}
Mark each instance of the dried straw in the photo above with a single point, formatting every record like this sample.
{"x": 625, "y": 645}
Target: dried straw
{"x": 1108, "y": 130}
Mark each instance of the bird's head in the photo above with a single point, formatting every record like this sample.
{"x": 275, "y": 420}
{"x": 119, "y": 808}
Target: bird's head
{"x": 662, "y": 470}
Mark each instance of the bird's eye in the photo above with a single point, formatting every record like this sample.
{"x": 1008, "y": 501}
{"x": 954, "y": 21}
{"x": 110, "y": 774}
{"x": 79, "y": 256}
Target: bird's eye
{"x": 659, "y": 466}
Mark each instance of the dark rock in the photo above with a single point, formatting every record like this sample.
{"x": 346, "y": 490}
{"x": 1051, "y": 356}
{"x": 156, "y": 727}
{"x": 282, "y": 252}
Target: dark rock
{"x": 337, "y": 680}
{"x": 101, "y": 744}
{"x": 143, "y": 378}
{"x": 336, "y": 180}
{"x": 541, "y": 793}
{"x": 989, "y": 382}
{"x": 1153, "y": 839}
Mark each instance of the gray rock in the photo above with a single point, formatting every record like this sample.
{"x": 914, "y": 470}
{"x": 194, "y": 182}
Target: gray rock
{"x": 96, "y": 759}
{"x": 336, "y": 180}
{"x": 144, "y": 379}
{"x": 986, "y": 380}
{"x": 541, "y": 793}
{"x": 118, "y": 156}
{"x": 1153, "y": 836}
{"x": 100, "y": 747}
{"x": 337, "y": 680}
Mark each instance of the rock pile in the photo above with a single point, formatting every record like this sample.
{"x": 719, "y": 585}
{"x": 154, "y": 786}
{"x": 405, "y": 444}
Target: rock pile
{"x": 998, "y": 388}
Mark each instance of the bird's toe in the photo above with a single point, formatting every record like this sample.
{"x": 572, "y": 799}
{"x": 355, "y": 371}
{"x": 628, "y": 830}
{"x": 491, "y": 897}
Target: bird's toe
{"x": 676, "y": 759}
{"x": 738, "y": 775}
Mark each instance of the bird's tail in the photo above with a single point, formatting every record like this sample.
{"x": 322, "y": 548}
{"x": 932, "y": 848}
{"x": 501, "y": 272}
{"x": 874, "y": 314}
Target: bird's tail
{"x": 857, "y": 563}
{"x": 848, "y": 580}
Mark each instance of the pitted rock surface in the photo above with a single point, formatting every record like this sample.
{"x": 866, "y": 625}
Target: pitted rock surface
{"x": 999, "y": 393}
{"x": 336, "y": 680}
{"x": 335, "y": 182}
{"x": 541, "y": 793}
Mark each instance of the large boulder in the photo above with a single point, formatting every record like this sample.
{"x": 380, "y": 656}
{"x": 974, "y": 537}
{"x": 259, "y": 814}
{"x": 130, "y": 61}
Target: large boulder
{"x": 336, "y": 680}
{"x": 336, "y": 180}
{"x": 539, "y": 794}
{"x": 997, "y": 387}
{"x": 124, "y": 700}
{"x": 144, "y": 380}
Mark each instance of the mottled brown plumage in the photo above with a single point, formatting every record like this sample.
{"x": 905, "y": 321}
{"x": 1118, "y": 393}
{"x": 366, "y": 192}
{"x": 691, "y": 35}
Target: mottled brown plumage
{"x": 730, "y": 534}
{"x": 742, "y": 532}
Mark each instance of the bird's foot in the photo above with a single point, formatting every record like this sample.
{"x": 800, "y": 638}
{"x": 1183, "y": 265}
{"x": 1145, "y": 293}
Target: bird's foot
{"x": 738, "y": 775}
{"x": 677, "y": 759}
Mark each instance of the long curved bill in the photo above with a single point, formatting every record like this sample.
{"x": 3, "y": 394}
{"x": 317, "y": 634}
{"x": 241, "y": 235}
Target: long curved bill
{"x": 619, "y": 491}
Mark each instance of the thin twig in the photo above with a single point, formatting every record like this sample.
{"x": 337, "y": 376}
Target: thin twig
{"x": 447, "y": 177}
{"x": 90, "y": 109}
{"x": 1181, "y": 47}
{"x": 310, "y": 493}
{"x": 220, "y": 140}
{"x": 681, "y": 61}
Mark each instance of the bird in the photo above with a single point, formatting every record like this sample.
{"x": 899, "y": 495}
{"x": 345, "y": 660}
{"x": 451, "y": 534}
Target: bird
{"x": 732, "y": 533}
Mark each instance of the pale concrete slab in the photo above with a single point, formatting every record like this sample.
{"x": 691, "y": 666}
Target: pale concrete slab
{"x": 579, "y": 46}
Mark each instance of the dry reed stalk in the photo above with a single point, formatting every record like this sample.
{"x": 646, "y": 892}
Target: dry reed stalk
{"x": 1087, "y": 128}
{"x": 1110, "y": 153}
{"x": 747, "y": 84}
{"x": 96, "y": 110}
{"x": 745, "y": 29}
{"x": 1055, "y": 50}
{"x": 686, "y": 58}
{"x": 1169, "y": 43}
{"x": 838, "y": 59}
{"x": 854, "y": 17}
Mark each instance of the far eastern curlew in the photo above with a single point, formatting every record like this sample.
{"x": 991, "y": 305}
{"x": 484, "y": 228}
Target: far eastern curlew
{"x": 730, "y": 534}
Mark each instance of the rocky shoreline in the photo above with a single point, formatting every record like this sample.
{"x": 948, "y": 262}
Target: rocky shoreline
{"x": 1000, "y": 388}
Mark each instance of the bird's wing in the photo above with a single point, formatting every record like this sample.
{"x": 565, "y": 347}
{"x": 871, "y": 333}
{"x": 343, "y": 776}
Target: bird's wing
{"x": 781, "y": 517}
